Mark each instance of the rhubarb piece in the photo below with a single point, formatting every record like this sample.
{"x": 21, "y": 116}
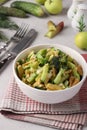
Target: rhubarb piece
{"x": 51, "y": 26}
{"x": 54, "y": 31}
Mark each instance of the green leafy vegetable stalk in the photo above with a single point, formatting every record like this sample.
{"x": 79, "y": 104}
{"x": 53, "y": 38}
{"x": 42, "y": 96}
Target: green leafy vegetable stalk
{"x": 3, "y": 37}
{"x": 5, "y": 22}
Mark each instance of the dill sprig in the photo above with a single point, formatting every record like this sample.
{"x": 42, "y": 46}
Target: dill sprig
{"x": 81, "y": 23}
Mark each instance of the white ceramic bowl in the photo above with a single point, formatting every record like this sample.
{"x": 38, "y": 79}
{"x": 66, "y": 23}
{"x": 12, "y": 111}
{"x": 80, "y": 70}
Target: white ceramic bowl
{"x": 51, "y": 97}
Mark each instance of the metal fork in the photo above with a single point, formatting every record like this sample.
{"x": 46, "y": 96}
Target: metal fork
{"x": 20, "y": 33}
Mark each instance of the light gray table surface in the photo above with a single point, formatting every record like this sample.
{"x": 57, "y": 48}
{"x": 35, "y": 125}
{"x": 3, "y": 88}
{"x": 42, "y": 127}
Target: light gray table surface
{"x": 66, "y": 37}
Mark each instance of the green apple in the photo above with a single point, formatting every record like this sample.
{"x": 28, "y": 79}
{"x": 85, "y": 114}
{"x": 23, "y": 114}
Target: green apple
{"x": 53, "y": 6}
{"x": 40, "y": 1}
{"x": 81, "y": 40}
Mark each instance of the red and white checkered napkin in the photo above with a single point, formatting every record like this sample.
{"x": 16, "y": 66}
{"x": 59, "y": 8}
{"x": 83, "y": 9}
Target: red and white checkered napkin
{"x": 70, "y": 115}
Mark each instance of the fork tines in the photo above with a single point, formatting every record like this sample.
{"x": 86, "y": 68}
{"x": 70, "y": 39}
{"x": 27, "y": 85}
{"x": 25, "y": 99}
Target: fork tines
{"x": 20, "y": 33}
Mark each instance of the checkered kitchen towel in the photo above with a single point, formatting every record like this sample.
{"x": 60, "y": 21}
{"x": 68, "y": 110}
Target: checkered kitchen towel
{"x": 69, "y": 115}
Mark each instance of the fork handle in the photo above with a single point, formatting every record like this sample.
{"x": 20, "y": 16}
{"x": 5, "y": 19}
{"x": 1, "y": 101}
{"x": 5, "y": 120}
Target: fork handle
{"x": 3, "y": 47}
{"x": 5, "y": 61}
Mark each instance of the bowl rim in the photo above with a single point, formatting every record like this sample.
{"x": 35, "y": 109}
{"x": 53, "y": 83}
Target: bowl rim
{"x": 48, "y": 45}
